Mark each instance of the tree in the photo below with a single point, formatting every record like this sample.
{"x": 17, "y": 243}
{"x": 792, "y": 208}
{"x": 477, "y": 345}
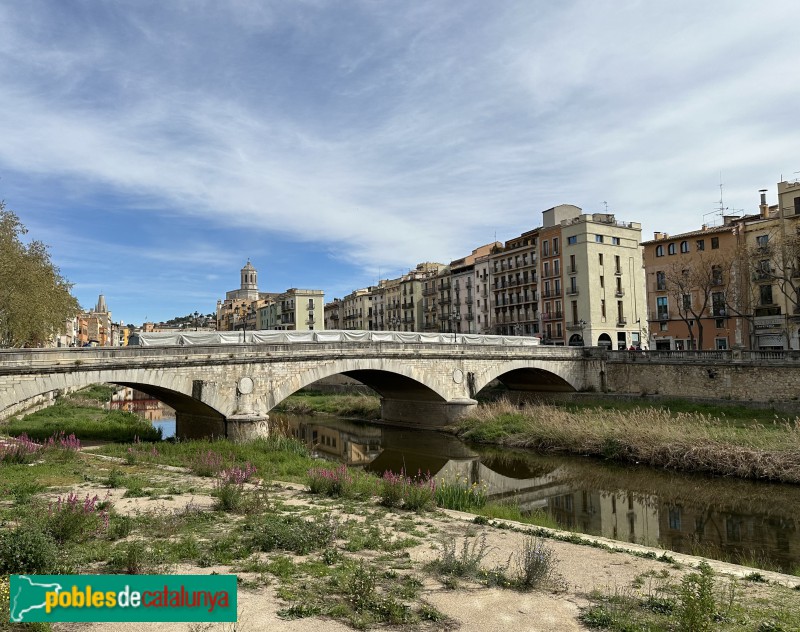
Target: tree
{"x": 35, "y": 300}
{"x": 700, "y": 288}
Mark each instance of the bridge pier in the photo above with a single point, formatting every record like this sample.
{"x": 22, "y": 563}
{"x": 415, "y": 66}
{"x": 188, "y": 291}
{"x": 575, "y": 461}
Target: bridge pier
{"x": 425, "y": 414}
{"x": 192, "y": 425}
{"x": 240, "y": 428}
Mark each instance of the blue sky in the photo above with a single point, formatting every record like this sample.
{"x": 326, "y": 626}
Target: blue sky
{"x": 156, "y": 146}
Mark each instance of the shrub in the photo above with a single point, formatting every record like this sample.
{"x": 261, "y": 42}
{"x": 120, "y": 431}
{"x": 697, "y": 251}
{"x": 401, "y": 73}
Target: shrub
{"x": 536, "y": 565}
{"x": 340, "y": 482}
{"x": 133, "y": 558}
{"x": 399, "y": 490}
{"x": 696, "y": 603}
{"x": 291, "y": 533}
{"x": 207, "y": 463}
{"x": 460, "y": 495}
{"x": 26, "y": 549}
{"x": 466, "y": 563}
{"x": 71, "y": 520}
{"x": 20, "y": 449}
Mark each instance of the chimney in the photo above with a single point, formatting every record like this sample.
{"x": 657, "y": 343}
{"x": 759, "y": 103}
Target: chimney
{"x": 763, "y": 207}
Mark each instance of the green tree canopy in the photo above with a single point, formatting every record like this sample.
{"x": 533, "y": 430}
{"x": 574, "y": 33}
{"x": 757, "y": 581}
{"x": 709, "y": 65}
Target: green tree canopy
{"x": 35, "y": 300}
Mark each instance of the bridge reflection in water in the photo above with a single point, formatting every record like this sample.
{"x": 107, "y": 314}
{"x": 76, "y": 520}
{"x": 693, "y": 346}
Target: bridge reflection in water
{"x": 738, "y": 521}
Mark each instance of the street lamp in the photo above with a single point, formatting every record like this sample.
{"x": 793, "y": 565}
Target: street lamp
{"x": 395, "y": 323}
{"x": 582, "y": 325}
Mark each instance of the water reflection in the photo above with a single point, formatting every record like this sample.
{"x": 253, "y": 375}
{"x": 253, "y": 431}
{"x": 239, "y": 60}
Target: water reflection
{"x": 736, "y": 520}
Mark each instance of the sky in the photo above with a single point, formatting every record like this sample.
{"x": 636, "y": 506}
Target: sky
{"x": 157, "y": 146}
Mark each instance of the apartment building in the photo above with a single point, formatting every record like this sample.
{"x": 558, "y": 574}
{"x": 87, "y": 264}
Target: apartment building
{"x": 465, "y": 289}
{"x": 602, "y": 277}
{"x": 293, "y": 310}
{"x": 736, "y": 284}
{"x": 357, "y": 310}
{"x": 770, "y": 251}
{"x": 694, "y": 297}
{"x": 513, "y": 280}
{"x": 333, "y": 314}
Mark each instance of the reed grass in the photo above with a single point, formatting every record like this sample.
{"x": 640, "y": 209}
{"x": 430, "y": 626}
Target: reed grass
{"x": 653, "y": 436}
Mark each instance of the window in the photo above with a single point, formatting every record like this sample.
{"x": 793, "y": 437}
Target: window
{"x": 572, "y": 268}
{"x": 671, "y": 249}
{"x": 598, "y": 239}
{"x": 716, "y": 275}
{"x": 687, "y": 301}
{"x": 617, "y": 267}
{"x": 765, "y": 294}
{"x": 311, "y": 303}
{"x": 555, "y": 245}
{"x": 662, "y": 308}
{"x": 701, "y": 244}
{"x": 718, "y": 303}
{"x": 675, "y": 518}
{"x": 546, "y": 248}
{"x": 601, "y": 258}
{"x": 602, "y": 281}
{"x": 714, "y": 243}
{"x": 720, "y": 323}
{"x": 797, "y": 206}
{"x": 556, "y": 267}
{"x": 722, "y": 344}
{"x": 546, "y": 269}
{"x": 684, "y": 246}
{"x": 663, "y": 327}
{"x": 762, "y": 241}
{"x": 615, "y": 241}
{"x": 661, "y": 281}
{"x": 659, "y": 251}
{"x": 571, "y": 241}
{"x": 603, "y": 307}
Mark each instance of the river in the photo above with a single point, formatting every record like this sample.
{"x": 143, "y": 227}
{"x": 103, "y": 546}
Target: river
{"x": 722, "y": 518}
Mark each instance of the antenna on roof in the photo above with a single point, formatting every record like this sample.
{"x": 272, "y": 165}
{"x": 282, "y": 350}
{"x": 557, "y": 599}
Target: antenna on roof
{"x": 606, "y": 205}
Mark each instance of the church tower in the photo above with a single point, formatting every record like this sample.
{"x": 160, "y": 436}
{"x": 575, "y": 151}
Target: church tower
{"x": 249, "y": 281}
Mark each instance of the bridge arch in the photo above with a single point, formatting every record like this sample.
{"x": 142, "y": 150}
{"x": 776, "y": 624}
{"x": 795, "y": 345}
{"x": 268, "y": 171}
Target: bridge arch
{"x": 530, "y": 375}
{"x": 391, "y": 379}
{"x": 172, "y": 389}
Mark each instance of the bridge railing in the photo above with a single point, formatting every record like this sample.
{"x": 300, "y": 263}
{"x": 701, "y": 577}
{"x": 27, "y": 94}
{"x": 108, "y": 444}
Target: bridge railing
{"x": 786, "y": 356}
{"x": 260, "y": 336}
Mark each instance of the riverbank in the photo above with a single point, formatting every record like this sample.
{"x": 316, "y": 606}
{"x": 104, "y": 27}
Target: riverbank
{"x": 728, "y": 440}
{"x": 316, "y": 562}
{"x": 689, "y": 441}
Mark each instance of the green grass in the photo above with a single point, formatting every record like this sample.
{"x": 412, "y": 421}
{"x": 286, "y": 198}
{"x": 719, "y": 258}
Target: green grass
{"x": 86, "y": 422}
{"x": 275, "y": 458}
{"x": 340, "y": 405}
{"x": 511, "y": 511}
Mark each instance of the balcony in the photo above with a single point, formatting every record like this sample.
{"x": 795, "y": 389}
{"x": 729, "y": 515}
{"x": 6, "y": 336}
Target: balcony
{"x": 551, "y": 293}
{"x": 760, "y": 275}
{"x": 576, "y": 326}
{"x": 618, "y": 272}
{"x": 572, "y": 269}
{"x": 772, "y": 310}
{"x": 621, "y": 321}
{"x": 619, "y": 293}
{"x": 572, "y": 290}
{"x": 552, "y": 315}
{"x": 470, "y": 316}
{"x": 444, "y": 301}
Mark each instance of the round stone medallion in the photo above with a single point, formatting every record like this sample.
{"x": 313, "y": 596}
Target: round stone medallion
{"x": 245, "y": 385}
{"x": 458, "y": 376}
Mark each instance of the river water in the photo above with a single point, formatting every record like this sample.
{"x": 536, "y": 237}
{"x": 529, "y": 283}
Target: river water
{"x": 739, "y": 521}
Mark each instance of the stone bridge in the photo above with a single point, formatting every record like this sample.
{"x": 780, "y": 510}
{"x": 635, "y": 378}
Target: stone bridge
{"x": 229, "y": 389}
